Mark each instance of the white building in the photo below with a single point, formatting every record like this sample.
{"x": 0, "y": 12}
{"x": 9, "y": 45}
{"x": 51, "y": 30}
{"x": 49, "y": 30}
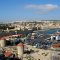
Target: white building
{"x": 2, "y": 43}
{"x": 20, "y": 50}
{"x": 55, "y": 36}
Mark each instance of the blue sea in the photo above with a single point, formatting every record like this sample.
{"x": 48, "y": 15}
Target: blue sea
{"x": 49, "y": 31}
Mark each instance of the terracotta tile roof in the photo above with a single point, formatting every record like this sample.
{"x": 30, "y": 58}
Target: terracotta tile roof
{"x": 4, "y": 37}
{"x": 20, "y": 44}
{"x": 7, "y": 54}
{"x": 56, "y": 45}
{"x": 57, "y": 33}
{"x": 18, "y": 35}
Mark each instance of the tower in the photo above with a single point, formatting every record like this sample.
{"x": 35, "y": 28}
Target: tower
{"x": 20, "y": 49}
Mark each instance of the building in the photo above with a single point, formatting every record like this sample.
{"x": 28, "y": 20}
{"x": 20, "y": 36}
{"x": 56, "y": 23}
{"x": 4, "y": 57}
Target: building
{"x": 55, "y": 51}
{"x": 2, "y": 42}
{"x": 56, "y": 36}
{"x": 20, "y": 50}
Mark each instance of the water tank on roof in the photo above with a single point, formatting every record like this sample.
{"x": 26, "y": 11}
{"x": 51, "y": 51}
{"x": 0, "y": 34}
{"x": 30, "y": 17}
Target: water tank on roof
{"x": 33, "y": 33}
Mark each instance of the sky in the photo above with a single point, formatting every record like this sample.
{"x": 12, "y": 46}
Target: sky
{"x": 28, "y": 10}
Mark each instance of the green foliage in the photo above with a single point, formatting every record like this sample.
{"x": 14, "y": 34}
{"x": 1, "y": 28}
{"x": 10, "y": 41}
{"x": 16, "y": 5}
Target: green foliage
{"x": 4, "y": 27}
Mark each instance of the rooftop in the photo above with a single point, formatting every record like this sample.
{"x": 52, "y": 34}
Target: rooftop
{"x": 56, "y": 45}
{"x": 57, "y": 33}
{"x": 20, "y": 44}
{"x": 7, "y": 54}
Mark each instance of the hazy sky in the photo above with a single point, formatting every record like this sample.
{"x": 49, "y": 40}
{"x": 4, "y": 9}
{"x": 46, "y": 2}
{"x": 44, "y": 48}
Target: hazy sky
{"x": 15, "y": 10}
